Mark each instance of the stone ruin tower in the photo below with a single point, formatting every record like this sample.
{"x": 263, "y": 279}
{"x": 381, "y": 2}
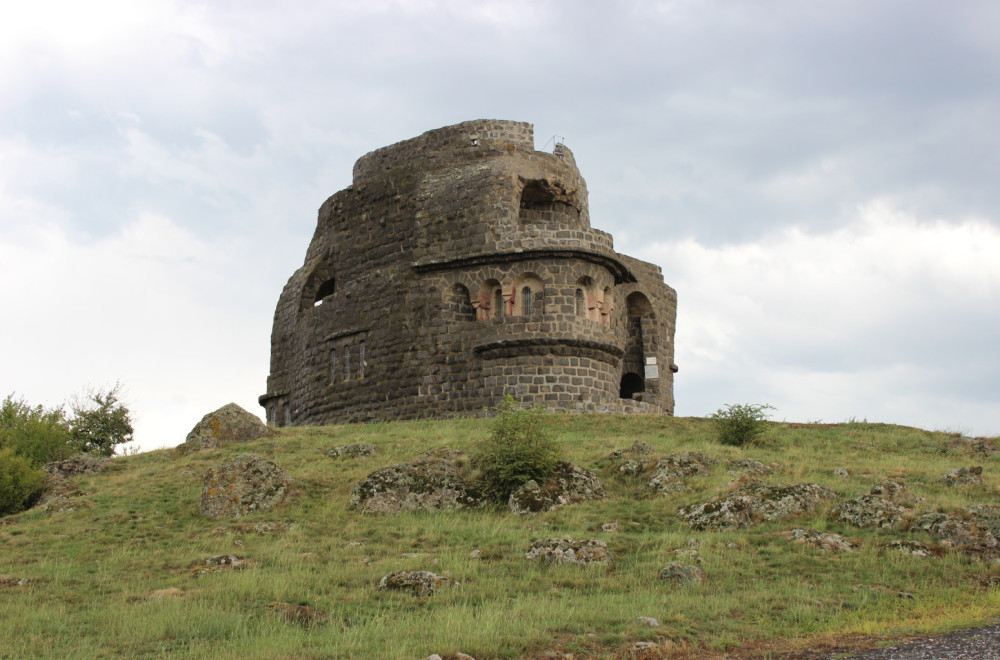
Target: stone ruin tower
{"x": 460, "y": 266}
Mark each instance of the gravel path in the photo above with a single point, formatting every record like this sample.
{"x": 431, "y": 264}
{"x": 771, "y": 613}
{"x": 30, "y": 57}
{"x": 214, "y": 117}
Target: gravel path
{"x": 978, "y": 644}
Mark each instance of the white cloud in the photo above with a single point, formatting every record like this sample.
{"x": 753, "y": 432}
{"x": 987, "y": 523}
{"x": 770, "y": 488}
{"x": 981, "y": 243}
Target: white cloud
{"x": 866, "y": 320}
{"x": 153, "y": 306}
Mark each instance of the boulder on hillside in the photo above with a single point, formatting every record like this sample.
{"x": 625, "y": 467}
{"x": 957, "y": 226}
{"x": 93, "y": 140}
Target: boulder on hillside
{"x": 670, "y": 471}
{"x": 353, "y": 451}
{"x": 970, "y": 476}
{"x": 227, "y": 425}
{"x": 682, "y": 574}
{"x": 752, "y": 501}
{"x": 878, "y": 508}
{"x": 967, "y": 536}
{"x": 634, "y": 460}
{"x": 568, "y": 551}
{"x": 74, "y": 466}
{"x": 825, "y": 541}
{"x": 568, "y": 484}
{"x": 430, "y": 485}
{"x": 419, "y": 583}
{"x": 236, "y": 486}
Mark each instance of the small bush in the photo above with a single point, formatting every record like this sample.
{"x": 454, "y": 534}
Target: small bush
{"x": 740, "y": 424}
{"x": 20, "y": 482}
{"x": 37, "y": 434}
{"x": 518, "y": 450}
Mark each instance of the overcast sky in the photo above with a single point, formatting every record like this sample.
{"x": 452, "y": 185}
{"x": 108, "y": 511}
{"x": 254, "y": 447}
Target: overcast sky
{"x": 818, "y": 180}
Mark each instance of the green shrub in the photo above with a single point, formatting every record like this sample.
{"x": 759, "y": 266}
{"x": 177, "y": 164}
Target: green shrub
{"x": 101, "y": 422}
{"x": 520, "y": 448}
{"x": 37, "y": 434}
{"x": 20, "y": 482}
{"x": 740, "y": 424}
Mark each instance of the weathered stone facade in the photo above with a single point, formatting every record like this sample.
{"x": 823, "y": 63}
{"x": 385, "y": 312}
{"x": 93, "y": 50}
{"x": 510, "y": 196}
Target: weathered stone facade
{"x": 460, "y": 266}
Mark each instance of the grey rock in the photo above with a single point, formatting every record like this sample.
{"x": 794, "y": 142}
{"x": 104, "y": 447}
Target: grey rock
{"x": 682, "y": 574}
{"x": 227, "y": 425}
{"x": 429, "y": 485}
{"x": 753, "y": 500}
{"x": 236, "y": 486}
{"x": 567, "y": 485}
{"x": 352, "y": 451}
{"x": 567, "y": 551}
{"x": 77, "y": 465}
{"x": 970, "y": 476}
{"x": 826, "y": 541}
{"x": 419, "y": 583}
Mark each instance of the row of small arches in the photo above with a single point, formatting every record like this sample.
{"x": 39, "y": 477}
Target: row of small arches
{"x": 525, "y": 297}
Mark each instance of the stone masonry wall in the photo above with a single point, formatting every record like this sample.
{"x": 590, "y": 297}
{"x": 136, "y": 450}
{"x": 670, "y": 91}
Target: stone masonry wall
{"x": 458, "y": 267}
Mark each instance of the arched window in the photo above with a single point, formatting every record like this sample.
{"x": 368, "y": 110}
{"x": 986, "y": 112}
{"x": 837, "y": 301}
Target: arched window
{"x": 581, "y": 303}
{"x": 333, "y": 365}
{"x": 526, "y": 301}
{"x": 531, "y": 289}
{"x": 325, "y": 289}
{"x": 361, "y": 359}
{"x": 489, "y": 301}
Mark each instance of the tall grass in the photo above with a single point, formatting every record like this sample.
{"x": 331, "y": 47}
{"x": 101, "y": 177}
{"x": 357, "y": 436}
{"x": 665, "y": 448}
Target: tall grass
{"x": 91, "y": 572}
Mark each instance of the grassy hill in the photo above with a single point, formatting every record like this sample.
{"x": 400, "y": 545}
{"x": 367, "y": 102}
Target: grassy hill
{"x": 119, "y": 576}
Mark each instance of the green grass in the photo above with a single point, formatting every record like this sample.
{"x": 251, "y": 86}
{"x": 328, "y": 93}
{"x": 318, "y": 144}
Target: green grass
{"x": 90, "y": 571}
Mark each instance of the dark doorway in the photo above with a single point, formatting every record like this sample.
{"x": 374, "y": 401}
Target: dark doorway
{"x": 631, "y": 383}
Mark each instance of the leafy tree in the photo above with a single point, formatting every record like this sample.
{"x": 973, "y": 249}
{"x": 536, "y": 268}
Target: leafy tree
{"x": 740, "y": 424}
{"x": 520, "y": 448}
{"x": 100, "y": 422}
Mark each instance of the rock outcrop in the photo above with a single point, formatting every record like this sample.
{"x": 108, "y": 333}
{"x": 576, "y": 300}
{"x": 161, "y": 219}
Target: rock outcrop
{"x": 429, "y": 485}
{"x": 752, "y": 501}
{"x": 419, "y": 583}
{"x": 74, "y": 466}
{"x": 236, "y": 486}
{"x": 568, "y": 484}
{"x": 567, "y": 551}
{"x": 878, "y": 508}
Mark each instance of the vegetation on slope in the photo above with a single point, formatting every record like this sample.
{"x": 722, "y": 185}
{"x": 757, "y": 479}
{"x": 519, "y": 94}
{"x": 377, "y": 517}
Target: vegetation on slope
{"x": 123, "y": 574}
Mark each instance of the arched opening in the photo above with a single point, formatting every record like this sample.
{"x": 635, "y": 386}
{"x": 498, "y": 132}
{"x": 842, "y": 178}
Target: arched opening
{"x": 457, "y": 305}
{"x": 325, "y": 289}
{"x": 527, "y": 295}
{"x": 581, "y": 303}
{"x": 489, "y": 301}
{"x": 545, "y": 201}
{"x": 632, "y": 384}
{"x": 591, "y": 298}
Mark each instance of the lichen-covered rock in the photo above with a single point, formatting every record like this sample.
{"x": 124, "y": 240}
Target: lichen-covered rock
{"x": 227, "y": 425}
{"x": 751, "y": 466}
{"x": 568, "y": 484}
{"x": 353, "y": 451}
{"x": 968, "y": 537}
{"x": 826, "y": 541}
{"x": 220, "y": 564}
{"x": 638, "y": 448}
{"x": 981, "y": 446}
{"x": 752, "y": 501}
{"x": 876, "y": 509}
{"x": 670, "y": 471}
{"x": 915, "y": 548}
{"x": 634, "y": 460}
{"x": 984, "y": 515}
{"x": 236, "y": 486}
{"x": 682, "y": 574}
{"x": 568, "y": 551}
{"x": 430, "y": 485}
{"x": 74, "y": 466}
{"x": 419, "y": 583}
{"x": 970, "y": 476}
